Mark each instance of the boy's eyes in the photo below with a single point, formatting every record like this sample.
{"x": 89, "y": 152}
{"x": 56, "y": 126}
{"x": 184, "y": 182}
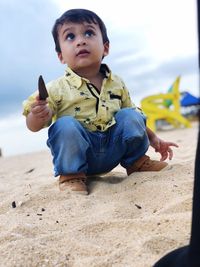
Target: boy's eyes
{"x": 89, "y": 33}
{"x": 71, "y": 36}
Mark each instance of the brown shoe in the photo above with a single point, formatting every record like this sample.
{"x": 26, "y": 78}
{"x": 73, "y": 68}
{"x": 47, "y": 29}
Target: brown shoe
{"x": 75, "y": 183}
{"x": 145, "y": 164}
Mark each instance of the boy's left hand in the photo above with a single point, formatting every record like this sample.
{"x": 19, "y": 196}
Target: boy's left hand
{"x": 163, "y": 147}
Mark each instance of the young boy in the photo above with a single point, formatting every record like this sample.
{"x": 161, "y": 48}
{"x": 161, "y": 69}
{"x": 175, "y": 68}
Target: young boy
{"x": 95, "y": 124}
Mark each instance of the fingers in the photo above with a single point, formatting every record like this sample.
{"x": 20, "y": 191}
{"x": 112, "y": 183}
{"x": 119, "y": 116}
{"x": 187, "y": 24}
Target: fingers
{"x": 39, "y": 103}
{"x": 40, "y": 109}
{"x": 172, "y": 144}
{"x": 170, "y": 152}
{"x": 165, "y": 150}
{"x": 164, "y": 156}
{"x": 43, "y": 114}
{"x": 39, "y": 100}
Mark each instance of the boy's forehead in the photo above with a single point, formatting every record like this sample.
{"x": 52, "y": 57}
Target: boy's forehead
{"x": 73, "y": 25}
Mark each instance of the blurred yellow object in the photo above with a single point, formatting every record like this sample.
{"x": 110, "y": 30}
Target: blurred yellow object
{"x": 165, "y": 107}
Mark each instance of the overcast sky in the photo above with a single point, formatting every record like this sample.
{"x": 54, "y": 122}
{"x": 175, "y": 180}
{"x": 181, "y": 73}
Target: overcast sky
{"x": 152, "y": 42}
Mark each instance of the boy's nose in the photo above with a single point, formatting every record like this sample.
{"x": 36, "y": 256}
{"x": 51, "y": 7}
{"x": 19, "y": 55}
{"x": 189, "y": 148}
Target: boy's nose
{"x": 81, "y": 41}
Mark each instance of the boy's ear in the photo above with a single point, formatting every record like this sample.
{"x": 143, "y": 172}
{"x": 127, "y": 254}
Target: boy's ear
{"x": 106, "y": 49}
{"x": 61, "y": 57}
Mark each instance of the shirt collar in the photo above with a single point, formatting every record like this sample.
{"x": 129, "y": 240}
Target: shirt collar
{"x": 77, "y": 80}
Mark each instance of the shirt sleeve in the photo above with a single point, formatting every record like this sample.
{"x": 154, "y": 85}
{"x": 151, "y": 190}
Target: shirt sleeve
{"x": 28, "y": 102}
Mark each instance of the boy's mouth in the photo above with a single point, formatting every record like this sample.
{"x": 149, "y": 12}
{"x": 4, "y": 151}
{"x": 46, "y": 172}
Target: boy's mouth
{"x": 82, "y": 52}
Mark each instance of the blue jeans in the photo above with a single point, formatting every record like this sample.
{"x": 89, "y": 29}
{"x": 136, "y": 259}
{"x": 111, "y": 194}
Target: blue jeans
{"x": 75, "y": 149}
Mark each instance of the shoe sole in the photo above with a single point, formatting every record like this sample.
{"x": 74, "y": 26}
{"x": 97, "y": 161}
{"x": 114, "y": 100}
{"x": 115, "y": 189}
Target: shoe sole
{"x": 166, "y": 168}
{"x": 64, "y": 188}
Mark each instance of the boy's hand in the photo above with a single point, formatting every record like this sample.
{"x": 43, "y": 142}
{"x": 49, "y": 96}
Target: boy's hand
{"x": 163, "y": 147}
{"x": 39, "y": 115}
{"x": 40, "y": 110}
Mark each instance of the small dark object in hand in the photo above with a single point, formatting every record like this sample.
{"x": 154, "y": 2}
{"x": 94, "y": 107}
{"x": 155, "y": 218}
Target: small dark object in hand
{"x": 43, "y": 94}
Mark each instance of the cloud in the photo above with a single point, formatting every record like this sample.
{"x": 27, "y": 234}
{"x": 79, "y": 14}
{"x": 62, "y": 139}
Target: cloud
{"x": 143, "y": 57}
{"x": 27, "y": 48}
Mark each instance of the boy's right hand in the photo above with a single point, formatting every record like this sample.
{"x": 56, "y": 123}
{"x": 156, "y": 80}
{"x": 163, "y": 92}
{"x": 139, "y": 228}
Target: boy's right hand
{"x": 40, "y": 110}
{"x": 40, "y": 115}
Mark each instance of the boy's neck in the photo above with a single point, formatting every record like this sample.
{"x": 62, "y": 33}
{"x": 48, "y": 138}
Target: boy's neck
{"x": 93, "y": 75}
{"x": 88, "y": 73}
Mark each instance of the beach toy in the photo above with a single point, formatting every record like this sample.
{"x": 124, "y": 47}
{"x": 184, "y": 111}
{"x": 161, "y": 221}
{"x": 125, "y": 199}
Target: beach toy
{"x": 165, "y": 107}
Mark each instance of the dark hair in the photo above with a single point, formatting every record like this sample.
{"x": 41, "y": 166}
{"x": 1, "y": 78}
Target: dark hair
{"x": 78, "y": 16}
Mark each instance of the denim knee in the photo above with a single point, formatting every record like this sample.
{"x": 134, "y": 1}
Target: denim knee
{"x": 130, "y": 115}
{"x": 131, "y": 123}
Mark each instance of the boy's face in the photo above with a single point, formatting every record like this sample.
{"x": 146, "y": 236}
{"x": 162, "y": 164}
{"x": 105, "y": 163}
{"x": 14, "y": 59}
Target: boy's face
{"x": 81, "y": 45}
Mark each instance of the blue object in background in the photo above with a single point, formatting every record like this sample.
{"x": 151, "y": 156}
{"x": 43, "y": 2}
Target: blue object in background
{"x": 189, "y": 100}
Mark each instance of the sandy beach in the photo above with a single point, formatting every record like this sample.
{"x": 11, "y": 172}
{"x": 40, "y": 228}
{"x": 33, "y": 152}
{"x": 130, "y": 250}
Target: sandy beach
{"x": 124, "y": 222}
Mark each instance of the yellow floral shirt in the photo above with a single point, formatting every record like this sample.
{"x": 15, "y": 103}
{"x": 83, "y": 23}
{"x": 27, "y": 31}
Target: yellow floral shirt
{"x": 76, "y": 96}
